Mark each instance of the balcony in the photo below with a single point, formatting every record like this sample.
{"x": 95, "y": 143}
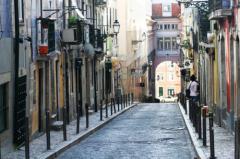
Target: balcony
{"x": 219, "y": 9}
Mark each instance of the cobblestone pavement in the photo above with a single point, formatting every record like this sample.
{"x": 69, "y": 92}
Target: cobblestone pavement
{"x": 154, "y": 131}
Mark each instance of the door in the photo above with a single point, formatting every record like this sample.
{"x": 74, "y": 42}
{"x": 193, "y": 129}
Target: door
{"x": 160, "y": 91}
{"x": 20, "y": 111}
{"x": 40, "y": 100}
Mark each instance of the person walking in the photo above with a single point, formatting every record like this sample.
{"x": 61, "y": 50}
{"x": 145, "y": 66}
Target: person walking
{"x": 194, "y": 89}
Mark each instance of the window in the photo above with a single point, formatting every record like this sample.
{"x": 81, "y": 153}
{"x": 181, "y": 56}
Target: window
{"x": 167, "y": 8}
{"x": 165, "y": 26}
{"x": 161, "y": 76}
{"x": 171, "y": 92}
{"x": 3, "y": 107}
{"x": 51, "y": 36}
{"x": 171, "y": 65}
{"x": 174, "y": 43}
{"x": 174, "y": 26}
{"x": 160, "y": 27}
{"x": 160, "y": 43}
{"x": 167, "y": 43}
{"x": 160, "y": 91}
{"x": 170, "y": 76}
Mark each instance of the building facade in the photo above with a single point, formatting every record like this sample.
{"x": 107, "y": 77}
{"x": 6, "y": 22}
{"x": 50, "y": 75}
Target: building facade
{"x": 55, "y": 61}
{"x": 136, "y": 46}
{"x": 167, "y": 30}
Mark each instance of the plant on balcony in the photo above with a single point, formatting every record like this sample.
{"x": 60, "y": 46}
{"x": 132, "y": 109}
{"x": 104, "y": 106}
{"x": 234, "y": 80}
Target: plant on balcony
{"x": 186, "y": 44}
{"x": 72, "y": 21}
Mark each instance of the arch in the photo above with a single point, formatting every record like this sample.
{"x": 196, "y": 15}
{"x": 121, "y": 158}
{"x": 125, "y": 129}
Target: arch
{"x": 168, "y": 79}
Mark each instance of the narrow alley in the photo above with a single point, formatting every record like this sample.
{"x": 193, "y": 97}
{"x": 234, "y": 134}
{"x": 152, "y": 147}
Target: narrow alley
{"x": 155, "y": 131}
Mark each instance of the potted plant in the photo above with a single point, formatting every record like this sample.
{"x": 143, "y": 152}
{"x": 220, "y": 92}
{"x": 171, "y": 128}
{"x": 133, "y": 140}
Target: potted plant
{"x": 72, "y": 21}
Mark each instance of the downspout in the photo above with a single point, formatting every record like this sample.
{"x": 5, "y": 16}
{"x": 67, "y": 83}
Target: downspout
{"x": 16, "y": 57}
{"x": 94, "y": 61}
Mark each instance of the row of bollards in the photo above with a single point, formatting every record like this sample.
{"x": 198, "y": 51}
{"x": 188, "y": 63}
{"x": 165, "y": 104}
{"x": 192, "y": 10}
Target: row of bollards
{"x": 122, "y": 102}
{"x": 198, "y": 116}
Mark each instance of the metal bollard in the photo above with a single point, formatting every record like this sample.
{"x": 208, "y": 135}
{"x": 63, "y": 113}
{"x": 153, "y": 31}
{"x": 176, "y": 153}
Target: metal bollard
{"x": 121, "y": 102}
{"x": 118, "y": 102}
{"x": 101, "y": 113}
{"x": 204, "y": 115}
{"x": 132, "y": 98}
{"x": 199, "y": 123}
{"x": 0, "y": 149}
{"x": 87, "y": 115}
{"x": 106, "y": 108}
{"x": 114, "y": 105}
{"x": 111, "y": 106}
{"x": 195, "y": 117}
{"x": 237, "y": 136}
{"x": 190, "y": 109}
{"x": 48, "y": 129}
{"x": 185, "y": 103}
{"x": 211, "y": 135}
{"x": 126, "y": 100}
{"x": 129, "y": 99}
{"x": 64, "y": 124}
{"x": 78, "y": 120}
{"x": 27, "y": 151}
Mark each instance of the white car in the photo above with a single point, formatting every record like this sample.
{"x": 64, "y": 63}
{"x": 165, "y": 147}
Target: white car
{"x": 169, "y": 99}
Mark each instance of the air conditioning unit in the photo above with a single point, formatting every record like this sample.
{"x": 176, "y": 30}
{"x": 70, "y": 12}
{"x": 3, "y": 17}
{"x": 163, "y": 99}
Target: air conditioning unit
{"x": 71, "y": 35}
{"x": 188, "y": 64}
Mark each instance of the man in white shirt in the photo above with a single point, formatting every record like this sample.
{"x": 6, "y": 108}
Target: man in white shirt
{"x": 193, "y": 87}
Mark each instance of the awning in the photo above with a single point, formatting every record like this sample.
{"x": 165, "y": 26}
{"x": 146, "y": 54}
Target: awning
{"x": 89, "y": 49}
{"x": 74, "y": 4}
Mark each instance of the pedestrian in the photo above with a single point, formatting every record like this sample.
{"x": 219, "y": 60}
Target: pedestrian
{"x": 194, "y": 89}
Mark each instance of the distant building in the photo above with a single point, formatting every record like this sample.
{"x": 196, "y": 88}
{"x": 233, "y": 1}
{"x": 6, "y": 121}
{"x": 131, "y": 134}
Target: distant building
{"x": 167, "y": 29}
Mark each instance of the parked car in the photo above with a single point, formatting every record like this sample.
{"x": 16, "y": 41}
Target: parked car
{"x": 168, "y": 99}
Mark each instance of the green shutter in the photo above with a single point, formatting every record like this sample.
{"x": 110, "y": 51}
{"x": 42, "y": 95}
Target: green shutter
{"x": 160, "y": 91}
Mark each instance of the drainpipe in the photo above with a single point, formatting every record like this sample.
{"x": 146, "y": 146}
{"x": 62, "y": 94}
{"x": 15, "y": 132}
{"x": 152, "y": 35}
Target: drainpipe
{"x": 16, "y": 55}
{"x": 94, "y": 61}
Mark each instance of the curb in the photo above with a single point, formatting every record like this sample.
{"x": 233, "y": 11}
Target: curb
{"x": 68, "y": 144}
{"x": 197, "y": 146}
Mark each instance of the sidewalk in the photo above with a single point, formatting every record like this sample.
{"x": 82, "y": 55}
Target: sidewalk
{"x": 38, "y": 146}
{"x": 224, "y": 140}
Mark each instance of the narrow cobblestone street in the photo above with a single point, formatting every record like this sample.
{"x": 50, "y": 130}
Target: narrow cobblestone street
{"x": 145, "y": 131}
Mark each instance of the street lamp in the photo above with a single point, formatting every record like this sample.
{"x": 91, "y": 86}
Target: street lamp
{"x": 116, "y": 27}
